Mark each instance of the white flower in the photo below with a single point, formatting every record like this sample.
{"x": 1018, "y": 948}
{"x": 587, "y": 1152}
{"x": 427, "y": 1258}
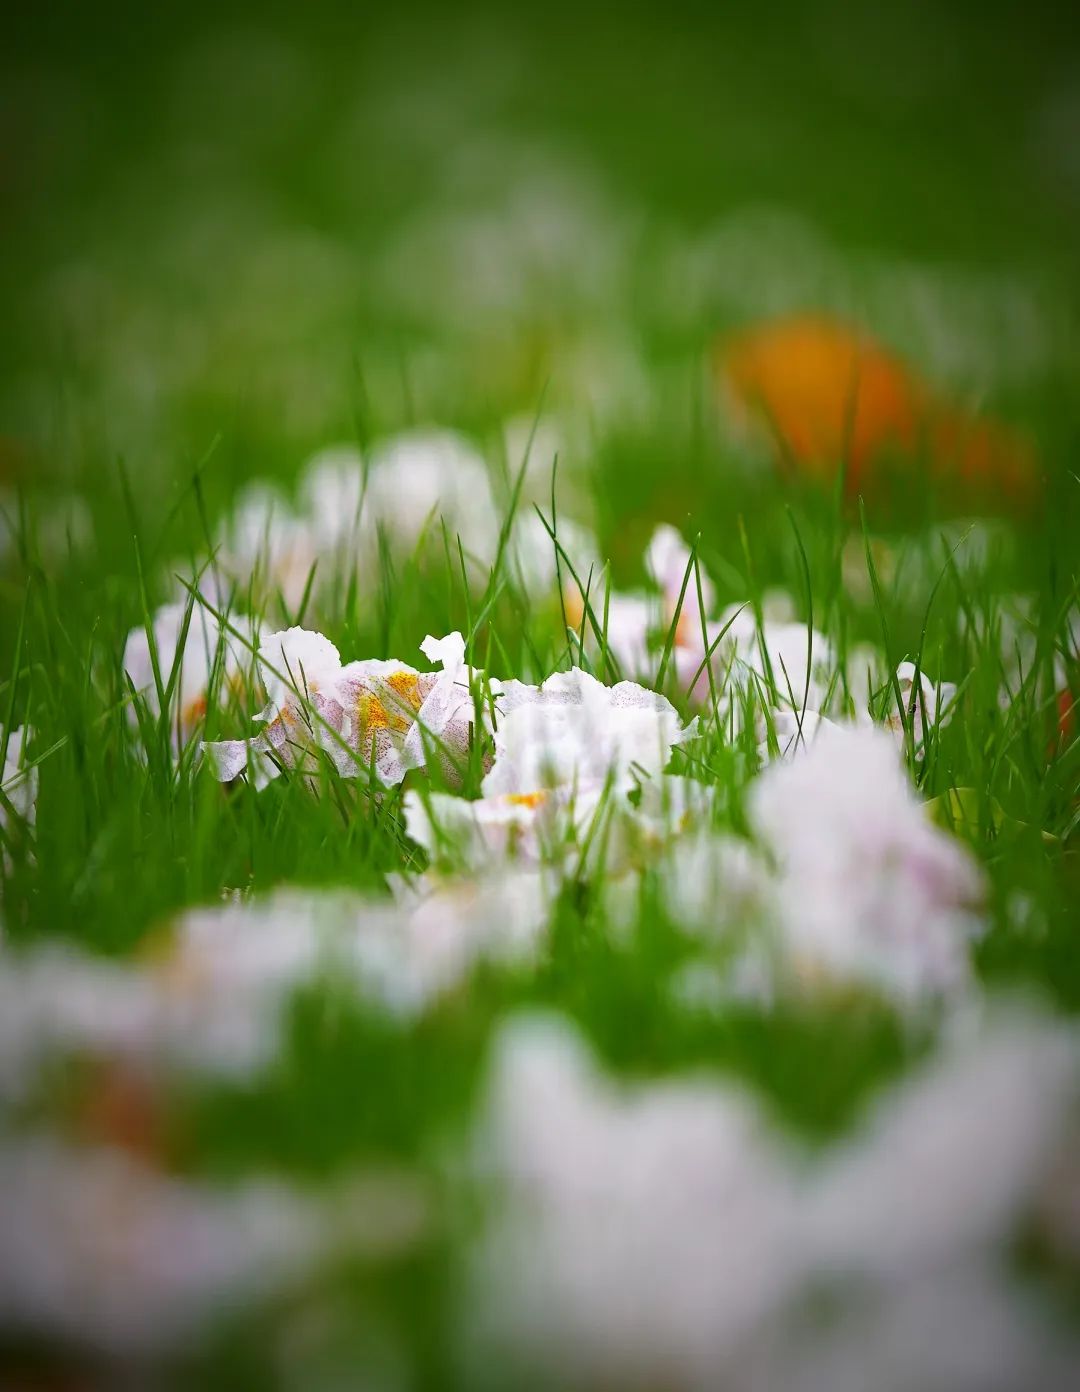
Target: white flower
{"x": 264, "y": 543}
{"x": 98, "y": 1249}
{"x": 206, "y": 644}
{"x": 20, "y": 779}
{"x": 299, "y": 670}
{"x": 233, "y": 967}
{"x": 381, "y": 702}
{"x": 57, "y": 1000}
{"x": 211, "y": 998}
{"x": 793, "y": 731}
{"x": 781, "y": 664}
{"x": 556, "y": 826}
{"x": 473, "y": 834}
{"x": 638, "y": 625}
{"x": 788, "y": 664}
{"x": 668, "y": 806}
{"x": 425, "y": 947}
{"x": 470, "y": 833}
{"x": 667, "y": 1234}
{"x": 422, "y": 476}
{"x": 332, "y": 499}
{"x": 868, "y": 888}
{"x": 668, "y": 562}
{"x": 572, "y": 730}
{"x": 643, "y": 1233}
{"x": 223, "y": 976}
{"x": 928, "y": 707}
{"x": 628, "y": 622}
{"x": 947, "y": 1158}
{"x": 538, "y": 563}
{"x": 378, "y": 715}
{"x": 208, "y": 1000}
{"x": 715, "y": 885}
{"x": 293, "y": 664}
{"x": 396, "y": 719}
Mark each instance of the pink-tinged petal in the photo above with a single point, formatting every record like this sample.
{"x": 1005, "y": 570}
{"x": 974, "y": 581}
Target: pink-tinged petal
{"x": 228, "y": 759}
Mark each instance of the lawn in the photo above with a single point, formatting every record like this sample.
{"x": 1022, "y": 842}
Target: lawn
{"x": 538, "y": 595}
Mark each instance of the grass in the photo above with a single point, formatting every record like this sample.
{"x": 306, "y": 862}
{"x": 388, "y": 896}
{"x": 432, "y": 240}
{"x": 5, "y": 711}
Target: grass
{"x": 131, "y": 831}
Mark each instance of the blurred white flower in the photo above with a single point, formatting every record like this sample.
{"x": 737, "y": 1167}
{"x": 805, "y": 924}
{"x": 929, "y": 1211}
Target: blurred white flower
{"x": 210, "y": 999}
{"x": 927, "y": 706}
{"x": 792, "y": 731}
{"x": 577, "y": 827}
{"x": 779, "y": 664}
{"x": 57, "y": 1000}
{"x": 99, "y": 1250}
{"x": 787, "y": 663}
{"x": 266, "y": 546}
{"x": 539, "y": 565}
{"x": 638, "y": 625}
{"x": 644, "y": 1233}
{"x": 867, "y": 887}
{"x": 667, "y": 1235}
{"x": 20, "y": 780}
{"x": 223, "y": 975}
{"x": 427, "y": 946}
{"x": 471, "y": 834}
{"x": 246, "y": 960}
{"x": 668, "y": 806}
{"x": 850, "y": 883}
{"x": 423, "y": 477}
{"x": 668, "y": 562}
{"x": 715, "y": 885}
{"x": 206, "y": 645}
{"x": 629, "y": 624}
{"x": 332, "y": 500}
{"x": 207, "y": 1000}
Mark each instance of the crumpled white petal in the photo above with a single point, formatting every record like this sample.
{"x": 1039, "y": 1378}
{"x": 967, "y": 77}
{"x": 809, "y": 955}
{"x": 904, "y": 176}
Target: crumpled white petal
{"x": 574, "y": 730}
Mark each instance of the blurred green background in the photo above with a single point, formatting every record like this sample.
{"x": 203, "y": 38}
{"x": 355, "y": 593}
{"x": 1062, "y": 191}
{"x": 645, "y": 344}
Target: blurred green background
{"x": 260, "y": 233}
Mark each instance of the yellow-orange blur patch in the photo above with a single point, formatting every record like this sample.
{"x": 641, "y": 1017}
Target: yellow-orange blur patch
{"x": 834, "y": 398}
{"x": 527, "y": 799}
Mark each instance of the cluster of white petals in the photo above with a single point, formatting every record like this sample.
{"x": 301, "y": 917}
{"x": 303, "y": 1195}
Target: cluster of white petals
{"x": 430, "y": 478}
{"x": 104, "y": 1251}
{"x": 847, "y": 883}
{"x": 573, "y": 730}
{"x": 99, "y": 1249}
{"x": 189, "y": 644}
{"x": 867, "y": 888}
{"x": 212, "y": 996}
{"x": 566, "y": 752}
{"x": 668, "y": 1235}
{"x": 412, "y": 485}
{"x": 739, "y": 660}
{"x": 382, "y": 717}
{"x": 759, "y": 664}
